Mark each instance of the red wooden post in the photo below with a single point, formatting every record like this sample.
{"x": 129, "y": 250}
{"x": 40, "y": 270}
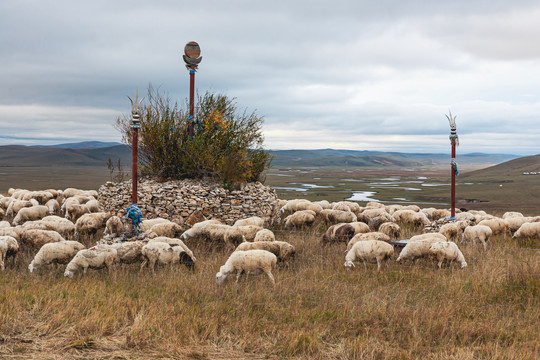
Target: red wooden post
{"x": 135, "y": 126}
{"x": 191, "y": 99}
{"x": 453, "y": 165}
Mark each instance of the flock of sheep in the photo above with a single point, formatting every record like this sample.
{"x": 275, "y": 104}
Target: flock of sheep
{"x": 45, "y": 222}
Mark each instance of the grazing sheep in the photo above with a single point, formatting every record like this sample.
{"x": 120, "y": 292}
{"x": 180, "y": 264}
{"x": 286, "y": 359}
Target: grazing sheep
{"x": 300, "y": 204}
{"x": 369, "y": 251}
{"x": 497, "y": 225}
{"x": 129, "y": 252}
{"x": 89, "y": 224}
{"x": 359, "y": 227}
{"x": 416, "y": 249}
{"x": 249, "y": 231}
{"x": 410, "y": 217}
{"x": 174, "y": 242}
{"x": 414, "y": 208}
{"x": 450, "y": 231}
{"x": 324, "y": 204}
{"x": 528, "y": 230}
{"x": 197, "y": 230}
{"x": 338, "y": 233}
{"x": 93, "y": 206}
{"x": 12, "y": 248}
{"x": 53, "y": 206}
{"x": 220, "y": 233}
{"x": 55, "y": 253}
{"x": 147, "y": 224}
{"x": 3, "y": 252}
{"x": 436, "y": 214}
{"x": 69, "y": 192}
{"x": 511, "y": 214}
{"x": 283, "y": 250}
{"x": 341, "y": 205}
{"x": 74, "y": 211}
{"x": 438, "y": 236}
{"x": 367, "y": 236}
{"x": 449, "y": 251}
{"x": 254, "y": 220}
{"x": 30, "y": 213}
{"x": 393, "y": 208}
{"x": 376, "y": 222}
{"x": 40, "y": 196}
{"x": 465, "y": 216}
{"x": 13, "y": 232}
{"x": 114, "y": 226}
{"x": 337, "y": 216}
{"x": 4, "y": 224}
{"x": 59, "y": 224}
{"x": 164, "y": 254}
{"x": 250, "y": 261}
{"x": 264, "y": 235}
{"x": 391, "y": 229}
{"x": 475, "y": 233}
{"x": 168, "y": 229}
{"x": 93, "y": 258}
{"x": 35, "y": 238}
{"x": 300, "y": 219}
{"x": 514, "y": 223}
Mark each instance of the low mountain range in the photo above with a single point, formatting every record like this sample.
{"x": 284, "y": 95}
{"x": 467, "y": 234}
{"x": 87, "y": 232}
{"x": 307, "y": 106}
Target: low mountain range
{"x": 95, "y": 153}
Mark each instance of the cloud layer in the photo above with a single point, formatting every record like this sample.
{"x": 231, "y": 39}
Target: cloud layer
{"x": 342, "y": 74}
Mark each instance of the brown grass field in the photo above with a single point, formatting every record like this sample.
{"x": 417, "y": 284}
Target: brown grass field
{"x": 317, "y": 309}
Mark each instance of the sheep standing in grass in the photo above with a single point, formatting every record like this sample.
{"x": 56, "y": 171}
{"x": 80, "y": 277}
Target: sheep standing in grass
{"x": 3, "y": 253}
{"x": 35, "y": 238}
{"x": 74, "y": 211}
{"x": 416, "y": 249}
{"x": 53, "y": 206}
{"x": 476, "y": 233}
{"x": 114, "y": 226}
{"x": 55, "y": 253}
{"x": 168, "y": 229}
{"x": 148, "y": 223}
{"x": 164, "y": 254}
{"x": 95, "y": 258}
{"x": 367, "y": 236}
{"x": 174, "y": 242}
{"x": 298, "y": 205}
{"x": 450, "y": 231}
{"x": 89, "y": 224}
{"x": 337, "y": 216}
{"x": 497, "y": 225}
{"x": 338, "y": 233}
{"x": 300, "y": 219}
{"x": 254, "y": 220}
{"x": 250, "y": 261}
{"x": 61, "y": 225}
{"x": 514, "y": 223}
{"x": 449, "y": 251}
{"x": 249, "y": 231}
{"x": 528, "y": 230}
{"x": 30, "y": 213}
{"x": 215, "y": 232}
{"x": 16, "y": 205}
{"x": 391, "y": 229}
{"x": 369, "y": 251}
{"x": 129, "y": 252}
{"x": 282, "y": 249}
{"x": 264, "y": 235}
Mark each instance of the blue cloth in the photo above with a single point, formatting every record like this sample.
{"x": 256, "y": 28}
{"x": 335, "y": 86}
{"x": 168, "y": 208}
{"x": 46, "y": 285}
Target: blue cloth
{"x": 454, "y": 166}
{"x": 134, "y": 213}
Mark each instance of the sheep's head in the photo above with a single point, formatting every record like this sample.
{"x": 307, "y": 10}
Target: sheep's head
{"x": 349, "y": 264}
{"x": 463, "y": 264}
{"x": 31, "y": 267}
{"x": 69, "y": 274}
{"x": 220, "y": 277}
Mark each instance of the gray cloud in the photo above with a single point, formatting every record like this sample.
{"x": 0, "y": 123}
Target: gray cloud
{"x": 354, "y": 73}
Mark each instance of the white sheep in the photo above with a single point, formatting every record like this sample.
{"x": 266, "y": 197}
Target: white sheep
{"x": 514, "y": 223}
{"x": 249, "y": 231}
{"x": 282, "y": 249}
{"x": 390, "y": 209}
{"x": 168, "y": 229}
{"x": 93, "y": 258}
{"x": 391, "y": 229}
{"x": 416, "y": 249}
{"x": 30, "y": 213}
{"x": 40, "y": 196}
{"x": 89, "y": 224}
{"x": 300, "y": 219}
{"x": 497, "y": 225}
{"x": 250, "y": 261}
{"x": 69, "y": 192}
{"x": 450, "y": 231}
{"x": 13, "y": 232}
{"x": 214, "y": 232}
{"x": 410, "y": 217}
{"x": 367, "y": 236}
{"x": 337, "y": 216}
{"x": 129, "y": 252}
{"x": 114, "y": 226}
{"x": 254, "y": 220}
{"x": 324, "y": 204}
{"x": 174, "y": 242}
{"x": 4, "y": 224}
{"x": 300, "y": 204}
{"x": 35, "y": 238}
{"x": 369, "y": 251}
{"x": 3, "y": 253}
{"x": 55, "y": 253}
{"x": 511, "y": 214}
{"x": 439, "y": 236}
{"x": 53, "y": 206}
{"x": 341, "y": 205}
{"x": 264, "y": 235}
{"x": 148, "y": 223}
{"x": 449, "y": 251}
{"x": 528, "y": 230}
{"x": 75, "y": 210}
{"x": 164, "y": 254}
{"x": 475, "y": 233}
{"x": 93, "y": 206}
{"x": 59, "y": 224}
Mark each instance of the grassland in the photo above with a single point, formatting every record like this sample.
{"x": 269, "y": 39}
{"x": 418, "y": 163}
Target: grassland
{"x": 317, "y": 309}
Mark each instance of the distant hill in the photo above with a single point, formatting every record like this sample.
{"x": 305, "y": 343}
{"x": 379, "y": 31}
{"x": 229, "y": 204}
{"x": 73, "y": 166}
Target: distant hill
{"x": 81, "y": 145}
{"x": 332, "y": 157}
{"x": 512, "y": 167}
{"x": 17, "y": 155}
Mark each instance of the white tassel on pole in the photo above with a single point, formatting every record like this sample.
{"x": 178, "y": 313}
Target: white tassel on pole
{"x": 453, "y": 135}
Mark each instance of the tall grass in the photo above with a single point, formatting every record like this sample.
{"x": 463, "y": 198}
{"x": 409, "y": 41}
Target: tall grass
{"x": 316, "y": 310}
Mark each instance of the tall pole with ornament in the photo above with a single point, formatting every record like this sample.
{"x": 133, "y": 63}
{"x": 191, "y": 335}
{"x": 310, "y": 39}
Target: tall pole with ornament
{"x": 454, "y": 141}
{"x": 192, "y": 58}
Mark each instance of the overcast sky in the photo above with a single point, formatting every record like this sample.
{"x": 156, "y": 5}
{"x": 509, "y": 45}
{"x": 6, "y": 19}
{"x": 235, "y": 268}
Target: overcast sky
{"x": 355, "y": 74}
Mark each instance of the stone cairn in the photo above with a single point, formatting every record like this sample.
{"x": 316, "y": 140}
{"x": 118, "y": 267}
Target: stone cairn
{"x": 178, "y": 200}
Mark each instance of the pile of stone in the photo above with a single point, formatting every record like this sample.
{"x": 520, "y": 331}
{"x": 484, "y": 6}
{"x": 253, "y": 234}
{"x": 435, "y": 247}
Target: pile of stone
{"x": 178, "y": 200}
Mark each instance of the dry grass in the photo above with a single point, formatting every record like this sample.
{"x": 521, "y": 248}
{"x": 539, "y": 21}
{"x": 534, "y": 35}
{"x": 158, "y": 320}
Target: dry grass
{"x": 317, "y": 309}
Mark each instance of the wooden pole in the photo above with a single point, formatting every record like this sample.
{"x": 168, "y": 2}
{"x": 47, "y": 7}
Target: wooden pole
{"x": 453, "y": 187}
{"x": 191, "y": 100}
{"x": 134, "y": 162}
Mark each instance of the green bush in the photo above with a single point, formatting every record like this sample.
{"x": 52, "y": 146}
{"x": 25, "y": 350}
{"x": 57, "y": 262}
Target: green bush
{"x": 226, "y": 146}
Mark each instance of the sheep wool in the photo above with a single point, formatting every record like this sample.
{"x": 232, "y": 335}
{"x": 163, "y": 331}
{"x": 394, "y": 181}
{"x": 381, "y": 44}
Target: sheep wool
{"x": 55, "y": 253}
{"x": 264, "y": 235}
{"x": 94, "y": 258}
{"x": 249, "y": 262}
{"x": 367, "y": 236}
{"x": 30, "y": 213}
{"x": 369, "y": 251}
{"x": 416, "y": 249}
{"x": 254, "y": 220}
{"x": 449, "y": 251}
{"x": 528, "y": 230}
{"x": 164, "y": 254}
{"x": 475, "y": 233}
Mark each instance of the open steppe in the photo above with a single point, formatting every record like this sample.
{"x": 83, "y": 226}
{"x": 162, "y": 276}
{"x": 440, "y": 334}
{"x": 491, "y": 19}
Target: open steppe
{"x": 317, "y": 309}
